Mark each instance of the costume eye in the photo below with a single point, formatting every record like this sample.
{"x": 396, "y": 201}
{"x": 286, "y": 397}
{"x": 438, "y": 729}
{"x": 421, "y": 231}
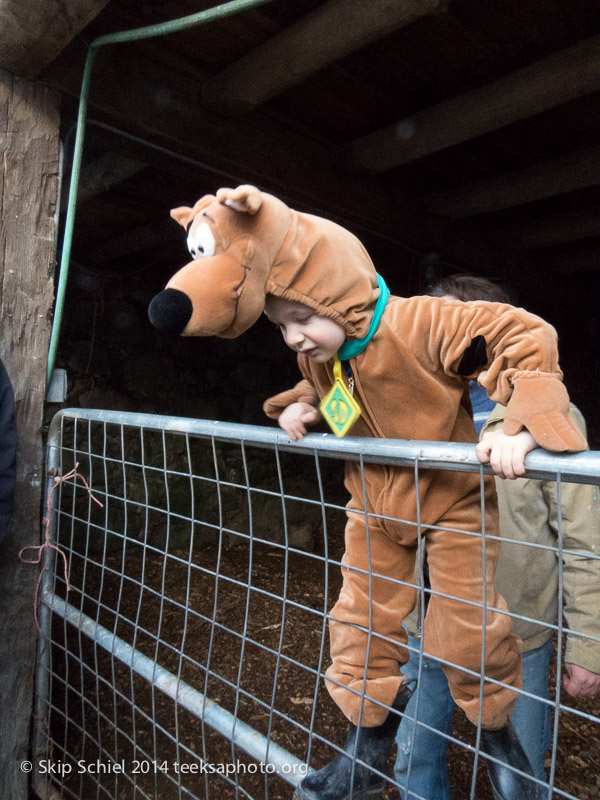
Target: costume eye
{"x": 201, "y": 242}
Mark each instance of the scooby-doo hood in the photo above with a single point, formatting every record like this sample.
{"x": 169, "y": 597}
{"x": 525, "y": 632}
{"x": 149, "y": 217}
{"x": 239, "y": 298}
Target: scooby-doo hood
{"x": 247, "y": 244}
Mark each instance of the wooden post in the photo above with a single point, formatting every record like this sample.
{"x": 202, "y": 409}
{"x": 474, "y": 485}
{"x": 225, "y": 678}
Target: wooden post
{"x": 29, "y": 145}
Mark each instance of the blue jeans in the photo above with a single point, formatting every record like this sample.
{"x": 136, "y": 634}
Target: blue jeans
{"x": 428, "y": 767}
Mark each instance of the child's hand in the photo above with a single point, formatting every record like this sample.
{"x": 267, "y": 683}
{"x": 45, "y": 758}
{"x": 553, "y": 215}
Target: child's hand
{"x": 506, "y": 454}
{"x": 296, "y": 417}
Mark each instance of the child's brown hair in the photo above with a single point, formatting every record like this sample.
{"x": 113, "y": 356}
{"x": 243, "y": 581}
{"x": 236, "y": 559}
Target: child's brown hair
{"x": 471, "y": 287}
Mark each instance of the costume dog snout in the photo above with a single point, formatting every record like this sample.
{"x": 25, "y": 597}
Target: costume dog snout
{"x": 170, "y": 310}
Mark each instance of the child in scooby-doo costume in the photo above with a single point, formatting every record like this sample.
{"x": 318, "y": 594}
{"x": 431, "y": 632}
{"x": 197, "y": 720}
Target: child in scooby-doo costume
{"x": 407, "y": 360}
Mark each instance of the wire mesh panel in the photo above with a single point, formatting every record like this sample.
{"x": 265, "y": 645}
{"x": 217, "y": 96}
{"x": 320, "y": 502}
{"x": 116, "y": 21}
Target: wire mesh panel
{"x": 185, "y": 611}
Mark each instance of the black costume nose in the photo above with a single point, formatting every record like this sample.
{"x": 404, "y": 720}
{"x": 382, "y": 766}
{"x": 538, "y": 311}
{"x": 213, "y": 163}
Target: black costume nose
{"x": 170, "y": 310}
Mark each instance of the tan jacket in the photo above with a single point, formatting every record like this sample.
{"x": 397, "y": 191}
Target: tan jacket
{"x": 528, "y": 577}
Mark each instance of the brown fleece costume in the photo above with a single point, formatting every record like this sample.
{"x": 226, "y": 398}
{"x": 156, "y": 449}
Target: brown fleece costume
{"x": 409, "y": 383}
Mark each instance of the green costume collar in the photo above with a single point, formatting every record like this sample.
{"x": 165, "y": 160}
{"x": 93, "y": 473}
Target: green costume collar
{"x": 352, "y": 347}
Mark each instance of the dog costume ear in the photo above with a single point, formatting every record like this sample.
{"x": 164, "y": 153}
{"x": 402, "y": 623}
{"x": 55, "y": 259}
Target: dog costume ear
{"x": 181, "y": 215}
{"x": 184, "y": 214}
{"x": 245, "y": 199}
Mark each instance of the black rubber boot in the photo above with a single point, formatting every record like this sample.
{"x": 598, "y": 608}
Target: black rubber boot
{"x": 504, "y": 745}
{"x": 336, "y": 782}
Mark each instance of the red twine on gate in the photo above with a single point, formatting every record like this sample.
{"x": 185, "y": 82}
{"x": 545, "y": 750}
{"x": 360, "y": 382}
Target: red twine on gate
{"x": 48, "y": 544}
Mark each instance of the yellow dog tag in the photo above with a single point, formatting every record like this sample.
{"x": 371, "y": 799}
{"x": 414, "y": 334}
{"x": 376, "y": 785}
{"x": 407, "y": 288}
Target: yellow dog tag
{"x": 338, "y": 406}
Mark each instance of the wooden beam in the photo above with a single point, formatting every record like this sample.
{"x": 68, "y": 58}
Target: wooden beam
{"x": 577, "y": 170}
{"x": 546, "y": 84}
{"x": 32, "y": 34}
{"x": 102, "y": 174}
{"x": 154, "y": 103}
{"x": 550, "y": 230}
{"x": 332, "y": 31}
{"x": 29, "y": 144}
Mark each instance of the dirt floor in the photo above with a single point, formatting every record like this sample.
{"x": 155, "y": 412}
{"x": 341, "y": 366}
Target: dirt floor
{"x": 265, "y": 641}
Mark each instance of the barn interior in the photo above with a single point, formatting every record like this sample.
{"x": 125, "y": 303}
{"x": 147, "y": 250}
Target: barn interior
{"x": 448, "y": 135}
{"x": 451, "y": 136}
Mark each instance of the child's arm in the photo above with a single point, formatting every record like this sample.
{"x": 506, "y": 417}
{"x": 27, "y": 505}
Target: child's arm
{"x": 513, "y": 355}
{"x": 303, "y": 392}
{"x": 505, "y": 454}
{"x": 296, "y": 417}
{"x": 294, "y": 409}
{"x": 540, "y": 403}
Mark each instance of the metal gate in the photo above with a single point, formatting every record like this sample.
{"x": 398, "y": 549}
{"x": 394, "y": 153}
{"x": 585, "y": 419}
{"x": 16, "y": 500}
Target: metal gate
{"x": 189, "y": 570}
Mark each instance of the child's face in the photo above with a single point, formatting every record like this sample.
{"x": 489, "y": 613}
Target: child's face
{"x": 303, "y": 330}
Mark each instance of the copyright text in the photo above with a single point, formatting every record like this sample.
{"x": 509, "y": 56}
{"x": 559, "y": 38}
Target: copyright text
{"x": 146, "y": 767}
